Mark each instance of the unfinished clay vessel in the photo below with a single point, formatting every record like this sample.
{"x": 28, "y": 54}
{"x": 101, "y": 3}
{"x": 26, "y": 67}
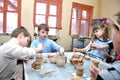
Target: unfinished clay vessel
{"x": 60, "y": 60}
{"x": 79, "y": 71}
{"x": 39, "y": 57}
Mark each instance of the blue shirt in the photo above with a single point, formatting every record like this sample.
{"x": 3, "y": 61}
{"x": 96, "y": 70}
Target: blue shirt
{"x": 49, "y": 45}
{"x": 98, "y": 53}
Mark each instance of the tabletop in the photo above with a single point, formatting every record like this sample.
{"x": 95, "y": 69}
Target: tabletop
{"x": 50, "y": 71}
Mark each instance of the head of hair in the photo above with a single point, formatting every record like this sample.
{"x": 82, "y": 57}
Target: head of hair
{"x": 101, "y": 25}
{"x": 116, "y": 21}
{"x": 43, "y": 26}
{"x": 19, "y": 30}
{"x": 116, "y": 32}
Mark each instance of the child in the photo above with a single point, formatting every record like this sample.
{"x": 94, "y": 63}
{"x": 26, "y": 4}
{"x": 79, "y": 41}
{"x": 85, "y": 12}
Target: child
{"x": 112, "y": 73}
{"x": 99, "y": 43}
{"x": 14, "y": 49}
{"x": 49, "y": 45}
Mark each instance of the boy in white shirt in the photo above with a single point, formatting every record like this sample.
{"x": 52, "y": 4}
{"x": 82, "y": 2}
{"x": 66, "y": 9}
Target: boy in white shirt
{"x": 14, "y": 49}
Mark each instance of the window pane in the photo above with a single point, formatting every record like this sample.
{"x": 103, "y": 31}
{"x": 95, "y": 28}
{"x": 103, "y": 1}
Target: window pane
{"x": 74, "y": 13}
{"x": 12, "y": 5}
{"x": 74, "y": 27}
{"x": 40, "y": 19}
{"x": 84, "y": 28}
{"x": 41, "y": 8}
{"x": 53, "y": 32}
{"x": 1, "y": 4}
{"x": 84, "y": 14}
{"x": 52, "y": 21}
{"x": 11, "y": 21}
{"x": 53, "y": 9}
{"x": 1, "y": 22}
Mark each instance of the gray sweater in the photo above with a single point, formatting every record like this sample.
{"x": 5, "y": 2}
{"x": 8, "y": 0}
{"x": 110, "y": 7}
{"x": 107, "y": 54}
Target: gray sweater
{"x": 9, "y": 53}
{"x": 112, "y": 73}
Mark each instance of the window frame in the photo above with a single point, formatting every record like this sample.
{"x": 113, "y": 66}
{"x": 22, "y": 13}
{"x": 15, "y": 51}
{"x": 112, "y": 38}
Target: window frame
{"x": 58, "y": 3}
{"x": 5, "y": 10}
{"x": 81, "y": 7}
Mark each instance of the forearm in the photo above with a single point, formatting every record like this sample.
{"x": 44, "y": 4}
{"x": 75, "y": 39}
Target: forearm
{"x": 103, "y": 47}
{"x": 81, "y": 50}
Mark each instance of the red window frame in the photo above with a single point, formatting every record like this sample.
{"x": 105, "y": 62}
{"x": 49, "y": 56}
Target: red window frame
{"x": 81, "y": 7}
{"x": 4, "y": 10}
{"x": 58, "y": 3}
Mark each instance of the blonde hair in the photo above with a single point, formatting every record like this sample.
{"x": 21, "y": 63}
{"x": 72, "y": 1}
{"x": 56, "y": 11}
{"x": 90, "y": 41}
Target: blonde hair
{"x": 116, "y": 21}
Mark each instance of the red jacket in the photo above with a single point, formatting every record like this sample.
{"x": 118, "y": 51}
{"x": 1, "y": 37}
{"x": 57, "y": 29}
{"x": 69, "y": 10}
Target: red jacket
{"x": 118, "y": 57}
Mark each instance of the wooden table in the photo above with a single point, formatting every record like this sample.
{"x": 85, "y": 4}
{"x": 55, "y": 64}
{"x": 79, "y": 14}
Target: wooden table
{"x": 57, "y": 73}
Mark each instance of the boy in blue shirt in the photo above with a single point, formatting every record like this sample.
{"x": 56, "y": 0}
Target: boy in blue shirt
{"x": 49, "y": 45}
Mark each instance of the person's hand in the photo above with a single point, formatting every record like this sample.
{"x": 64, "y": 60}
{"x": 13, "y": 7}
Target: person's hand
{"x": 92, "y": 46}
{"x": 75, "y": 49}
{"x": 94, "y": 71}
{"x": 104, "y": 54}
{"x": 40, "y": 48}
{"x": 95, "y": 46}
{"x": 24, "y": 59}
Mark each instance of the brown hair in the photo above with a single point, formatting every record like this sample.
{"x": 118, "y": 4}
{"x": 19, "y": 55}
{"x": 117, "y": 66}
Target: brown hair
{"x": 43, "y": 26}
{"x": 19, "y": 30}
{"x": 100, "y": 25}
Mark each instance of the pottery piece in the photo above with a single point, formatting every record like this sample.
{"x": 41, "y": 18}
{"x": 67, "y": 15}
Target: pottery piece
{"x": 95, "y": 62}
{"x": 50, "y": 55}
{"x": 79, "y": 71}
{"x": 75, "y": 78}
{"x": 76, "y": 55}
{"x": 52, "y": 60}
{"x": 44, "y": 60}
{"x": 60, "y": 60}
{"x": 87, "y": 57}
{"x": 36, "y": 65}
{"x": 92, "y": 78}
{"x": 80, "y": 64}
{"x": 76, "y": 61}
{"x": 39, "y": 57}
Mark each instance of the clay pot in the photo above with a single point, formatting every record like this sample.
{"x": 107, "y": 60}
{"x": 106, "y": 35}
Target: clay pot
{"x": 79, "y": 71}
{"x": 76, "y": 61}
{"x": 75, "y": 78}
{"x": 33, "y": 65}
{"x": 44, "y": 60}
{"x": 76, "y": 56}
{"x": 80, "y": 64}
{"x": 71, "y": 60}
{"x": 52, "y": 60}
{"x": 87, "y": 57}
{"x": 36, "y": 65}
{"x": 39, "y": 58}
{"x": 95, "y": 62}
{"x": 51, "y": 55}
{"x": 92, "y": 78}
{"x": 60, "y": 60}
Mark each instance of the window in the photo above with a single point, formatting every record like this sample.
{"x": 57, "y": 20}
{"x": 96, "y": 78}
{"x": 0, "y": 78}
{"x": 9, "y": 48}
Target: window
{"x": 10, "y": 11}
{"x": 49, "y": 12}
{"x": 80, "y": 19}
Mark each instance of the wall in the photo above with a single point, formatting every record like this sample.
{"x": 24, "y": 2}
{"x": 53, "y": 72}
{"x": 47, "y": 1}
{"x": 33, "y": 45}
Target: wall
{"x": 109, "y": 7}
{"x": 65, "y": 39}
